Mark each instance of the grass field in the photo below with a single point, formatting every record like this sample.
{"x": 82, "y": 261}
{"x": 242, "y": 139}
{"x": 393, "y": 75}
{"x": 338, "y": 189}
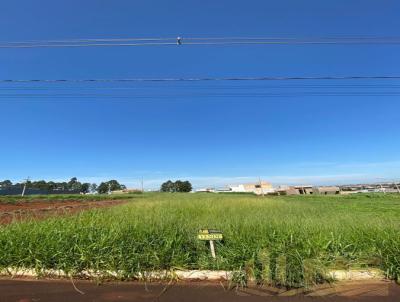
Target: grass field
{"x": 287, "y": 241}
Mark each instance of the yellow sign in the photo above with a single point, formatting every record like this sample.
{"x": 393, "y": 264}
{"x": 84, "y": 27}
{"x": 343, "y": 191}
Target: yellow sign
{"x": 206, "y": 234}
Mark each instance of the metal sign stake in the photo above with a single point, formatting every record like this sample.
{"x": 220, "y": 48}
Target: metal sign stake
{"x": 212, "y": 248}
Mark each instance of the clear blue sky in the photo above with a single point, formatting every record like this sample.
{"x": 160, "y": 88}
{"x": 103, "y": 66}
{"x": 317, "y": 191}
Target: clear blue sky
{"x": 207, "y": 133}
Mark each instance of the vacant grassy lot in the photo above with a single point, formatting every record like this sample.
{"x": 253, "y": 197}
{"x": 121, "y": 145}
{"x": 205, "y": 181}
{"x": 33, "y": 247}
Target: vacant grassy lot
{"x": 280, "y": 240}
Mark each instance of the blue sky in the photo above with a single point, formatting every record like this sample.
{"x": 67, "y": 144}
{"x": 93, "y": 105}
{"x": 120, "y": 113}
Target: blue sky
{"x": 209, "y": 133}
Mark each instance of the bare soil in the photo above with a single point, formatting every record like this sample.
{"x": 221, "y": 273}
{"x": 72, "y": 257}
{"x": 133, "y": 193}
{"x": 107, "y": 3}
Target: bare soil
{"x": 42, "y": 209}
{"x": 62, "y": 290}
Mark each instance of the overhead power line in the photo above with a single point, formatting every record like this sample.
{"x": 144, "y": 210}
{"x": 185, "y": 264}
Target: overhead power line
{"x": 113, "y": 42}
{"x": 189, "y": 96}
{"x": 203, "y": 79}
{"x": 82, "y": 45}
{"x": 234, "y": 87}
{"x": 227, "y": 88}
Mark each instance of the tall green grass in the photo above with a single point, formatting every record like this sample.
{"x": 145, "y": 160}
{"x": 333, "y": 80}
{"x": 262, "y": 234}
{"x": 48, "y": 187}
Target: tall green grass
{"x": 289, "y": 241}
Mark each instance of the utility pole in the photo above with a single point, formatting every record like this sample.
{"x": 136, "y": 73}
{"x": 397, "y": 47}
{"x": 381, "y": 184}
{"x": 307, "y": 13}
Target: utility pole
{"x": 23, "y": 190}
{"x": 397, "y": 187}
{"x": 142, "y": 185}
{"x": 383, "y": 189}
{"x": 262, "y": 191}
{"x": 380, "y": 185}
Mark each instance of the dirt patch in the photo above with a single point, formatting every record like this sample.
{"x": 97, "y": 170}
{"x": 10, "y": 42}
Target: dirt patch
{"x": 42, "y": 209}
{"x": 56, "y": 290}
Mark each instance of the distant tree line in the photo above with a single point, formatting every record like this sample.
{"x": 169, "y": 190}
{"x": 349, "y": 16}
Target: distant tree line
{"x": 73, "y": 186}
{"x": 177, "y": 186}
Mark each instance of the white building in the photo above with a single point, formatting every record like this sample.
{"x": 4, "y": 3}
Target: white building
{"x": 258, "y": 188}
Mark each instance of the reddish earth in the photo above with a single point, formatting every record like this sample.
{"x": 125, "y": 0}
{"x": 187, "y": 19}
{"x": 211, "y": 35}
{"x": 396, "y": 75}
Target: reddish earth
{"x": 43, "y": 209}
{"x": 57, "y": 290}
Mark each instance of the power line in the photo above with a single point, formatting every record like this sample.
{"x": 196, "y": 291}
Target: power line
{"x": 200, "y": 95}
{"x": 82, "y": 45}
{"x": 113, "y": 42}
{"x": 89, "y": 40}
{"x": 219, "y": 87}
{"x": 204, "y": 79}
{"x": 170, "y": 39}
{"x": 48, "y": 91}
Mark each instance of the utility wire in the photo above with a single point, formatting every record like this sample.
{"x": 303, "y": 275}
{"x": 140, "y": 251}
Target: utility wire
{"x": 188, "y": 96}
{"x": 90, "y": 40}
{"x": 354, "y": 38}
{"x": 204, "y": 79}
{"x": 219, "y": 87}
{"x": 113, "y": 42}
{"x": 81, "y": 45}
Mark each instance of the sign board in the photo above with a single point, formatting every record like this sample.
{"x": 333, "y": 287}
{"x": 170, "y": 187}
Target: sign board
{"x": 207, "y": 234}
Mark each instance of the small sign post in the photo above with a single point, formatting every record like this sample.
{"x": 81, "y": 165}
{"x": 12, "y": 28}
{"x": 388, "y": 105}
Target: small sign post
{"x": 211, "y": 236}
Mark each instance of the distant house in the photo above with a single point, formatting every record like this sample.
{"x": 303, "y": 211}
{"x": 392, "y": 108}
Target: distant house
{"x": 258, "y": 188}
{"x": 287, "y": 190}
{"x": 327, "y": 190}
{"x": 295, "y": 190}
{"x": 305, "y": 190}
{"x": 308, "y": 190}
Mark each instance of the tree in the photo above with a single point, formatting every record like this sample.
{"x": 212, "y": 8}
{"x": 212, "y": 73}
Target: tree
{"x": 168, "y": 186}
{"x": 111, "y": 185}
{"x": 85, "y": 187}
{"x": 185, "y": 186}
{"x": 40, "y": 184}
{"x": 5, "y": 183}
{"x": 74, "y": 185}
{"x": 102, "y": 188}
{"x": 177, "y": 186}
{"x": 93, "y": 187}
{"x": 51, "y": 185}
